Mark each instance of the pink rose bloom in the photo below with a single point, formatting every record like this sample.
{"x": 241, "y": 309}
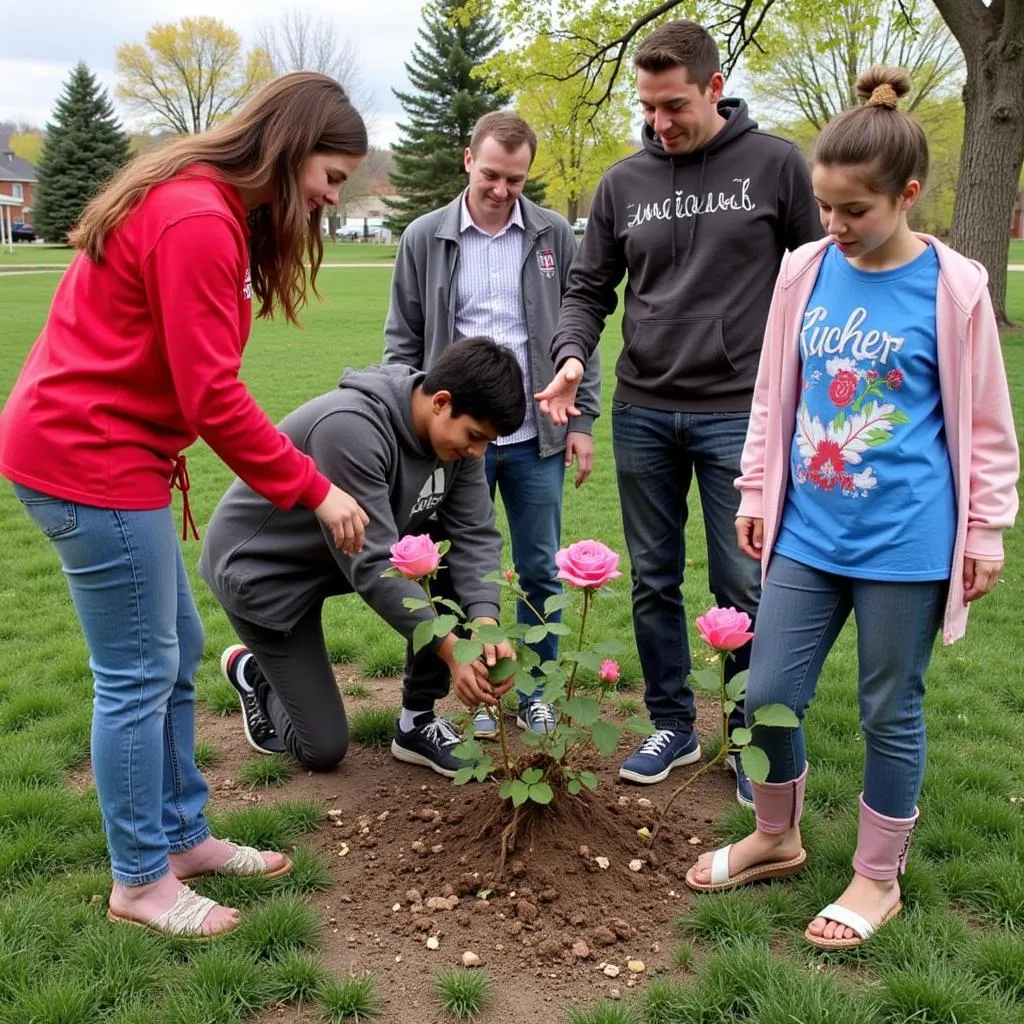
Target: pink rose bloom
{"x": 587, "y": 564}
{"x": 415, "y": 556}
{"x": 609, "y": 671}
{"x": 725, "y": 629}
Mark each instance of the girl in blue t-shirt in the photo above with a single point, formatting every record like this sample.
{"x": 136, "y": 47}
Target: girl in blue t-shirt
{"x": 879, "y": 472}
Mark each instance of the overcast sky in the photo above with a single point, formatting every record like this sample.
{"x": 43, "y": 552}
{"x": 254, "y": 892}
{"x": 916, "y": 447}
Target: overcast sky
{"x": 40, "y": 41}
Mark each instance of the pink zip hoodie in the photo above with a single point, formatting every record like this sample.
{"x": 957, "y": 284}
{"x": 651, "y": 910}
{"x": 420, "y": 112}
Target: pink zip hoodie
{"x": 975, "y": 404}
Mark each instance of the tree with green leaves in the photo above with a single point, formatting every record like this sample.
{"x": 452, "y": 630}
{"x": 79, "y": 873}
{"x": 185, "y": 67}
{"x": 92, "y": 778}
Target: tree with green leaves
{"x": 990, "y": 34}
{"x": 85, "y": 145}
{"x": 572, "y": 152}
{"x": 449, "y": 99}
{"x": 806, "y": 66}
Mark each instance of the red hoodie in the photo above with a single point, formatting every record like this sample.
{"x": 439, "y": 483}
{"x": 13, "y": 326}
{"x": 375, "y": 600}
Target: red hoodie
{"x": 140, "y": 356}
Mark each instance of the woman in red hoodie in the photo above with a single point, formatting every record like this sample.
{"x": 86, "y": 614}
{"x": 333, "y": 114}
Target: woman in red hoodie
{"x": 139, "y": 356}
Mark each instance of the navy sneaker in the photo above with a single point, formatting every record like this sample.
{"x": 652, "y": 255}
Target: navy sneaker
{"x": 744, "y": 791}
{"x": 235, "y": 663}
{"x": 659, "y": 754}
{"x": 429, "y": 743}
{"x": 536, "y": 716}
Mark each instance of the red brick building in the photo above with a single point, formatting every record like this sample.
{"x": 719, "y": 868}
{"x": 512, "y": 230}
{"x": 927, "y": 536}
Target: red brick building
{"x": 1017, "y": 224}
{"x": 17, "y": 179}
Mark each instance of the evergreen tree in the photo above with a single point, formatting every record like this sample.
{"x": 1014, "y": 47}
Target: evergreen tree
{"x": 84, "y": 146}
{"x": 448, "y": 101}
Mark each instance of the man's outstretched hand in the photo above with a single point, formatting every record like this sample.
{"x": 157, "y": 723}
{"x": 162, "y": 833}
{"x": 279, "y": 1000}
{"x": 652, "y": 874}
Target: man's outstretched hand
{"x": 558, "y": 399}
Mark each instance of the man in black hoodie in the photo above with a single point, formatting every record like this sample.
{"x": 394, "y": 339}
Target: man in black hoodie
{"x": 408, "y": 446}
{"x": 698, "y": 221}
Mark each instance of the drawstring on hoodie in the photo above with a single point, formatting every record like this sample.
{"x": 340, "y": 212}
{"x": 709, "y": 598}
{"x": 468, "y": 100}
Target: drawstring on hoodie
{"x": 180, "y": 481}
{"x": 694, "y": 218}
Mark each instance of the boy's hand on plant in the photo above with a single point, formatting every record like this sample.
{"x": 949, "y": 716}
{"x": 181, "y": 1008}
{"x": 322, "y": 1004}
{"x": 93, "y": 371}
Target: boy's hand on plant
{"x": 750, "y": 535}
{"x": 469, "y": 682}
{"x": 980, "y": 577}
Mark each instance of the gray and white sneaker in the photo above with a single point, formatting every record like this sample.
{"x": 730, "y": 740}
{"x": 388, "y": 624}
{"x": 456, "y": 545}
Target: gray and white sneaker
{"x": 536, "y": 716}
{"x": 429, "y": 743}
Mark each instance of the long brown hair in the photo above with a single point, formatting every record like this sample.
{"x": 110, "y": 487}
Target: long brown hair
{"x": 889, "y": 145}
{"x": 260, "y": 149}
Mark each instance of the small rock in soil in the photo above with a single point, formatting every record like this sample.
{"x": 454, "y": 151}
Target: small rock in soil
{"x": 603, "y": 936}
{"x": 611, "y": 970}
{"x": 636, "y": 864}
{"x": 470, "y": 959}
{"x": 580, "y": 950}
{"x": 614, "y": 993}
{"x": 549, "y": 948}
{"x": 623, "y": 929}
{"x": 548, "y": 895}
{"x": 433, "y": 942}
{"x": 602, "y": 862}
{"x": 413, "y": 896}
{"x": 643, "y": 802}
{"x": 526, "y": 911}
{"x": 636, "y": 966}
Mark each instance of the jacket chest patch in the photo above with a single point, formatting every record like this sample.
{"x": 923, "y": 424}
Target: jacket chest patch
{"x": 546, "y": 262}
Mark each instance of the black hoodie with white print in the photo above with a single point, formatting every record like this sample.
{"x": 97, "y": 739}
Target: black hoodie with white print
{"x": 701, "y": 236}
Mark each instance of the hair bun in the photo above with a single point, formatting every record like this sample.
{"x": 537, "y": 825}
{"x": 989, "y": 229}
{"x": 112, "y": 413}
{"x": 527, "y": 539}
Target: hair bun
{"x": 883, "y": 95}
{"x": 882, "y": 86}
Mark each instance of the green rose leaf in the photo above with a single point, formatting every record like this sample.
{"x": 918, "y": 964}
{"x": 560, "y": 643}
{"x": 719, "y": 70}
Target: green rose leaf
{"x": 503, "y": 668}
{"x": 463, "y": 775}
{"x": 585, "y": 659}
{"x": 451, "y": 605}
{"x": 582, "y": 710}
{"x": 467, "y": 651}
{"x": 639, "y": 725}
{"x": 608, "y": 648}
{"x": 741, "y": 737}
{"x": 487, "y": 633}
{"x": 483, "y": 769}
{"x": 755, "y": 763}
{"x": 728, "y": 707}
{"x": 422, "y": 635}
{"x": 605, "y": 737}
{"x": 558, "y": 602}
{"x": 520, "y": 793}
{"x": 589, "y": 779}
{"x": 414, "y": 604}
{"x": 532, "y": 775}
{"x": 541, "y": 793}
{"x": 737, "y": 686}
{"x": 777, "y": 715}
{"x": 559, "y": 629}
{"x": 535, "y": 634}
{"x": 467, "y": 750}
{"x": 444, "y": 624}
{"x": 706, "y": 679}
{"x": 573, "y": 786}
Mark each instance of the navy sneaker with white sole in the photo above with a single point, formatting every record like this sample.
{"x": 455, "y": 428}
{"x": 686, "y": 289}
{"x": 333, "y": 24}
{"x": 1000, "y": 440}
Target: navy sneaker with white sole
{"x": 744, "y": 791}
{"x": 657, "y": 755}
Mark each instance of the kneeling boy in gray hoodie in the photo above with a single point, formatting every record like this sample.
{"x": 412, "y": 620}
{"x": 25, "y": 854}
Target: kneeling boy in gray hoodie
{"x": 407, "y": 446}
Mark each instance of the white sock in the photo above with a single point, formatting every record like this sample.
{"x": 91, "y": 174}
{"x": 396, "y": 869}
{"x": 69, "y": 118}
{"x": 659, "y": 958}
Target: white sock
{"x": 406, "y": 720}
{"x": 239, "y": 670}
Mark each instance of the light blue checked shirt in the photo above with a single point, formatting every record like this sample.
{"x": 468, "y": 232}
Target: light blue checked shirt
{"x": 490, "y": 297}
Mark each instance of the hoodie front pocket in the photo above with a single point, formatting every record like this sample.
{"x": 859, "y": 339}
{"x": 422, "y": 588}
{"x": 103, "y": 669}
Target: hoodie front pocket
{"x": 680, "y": 354}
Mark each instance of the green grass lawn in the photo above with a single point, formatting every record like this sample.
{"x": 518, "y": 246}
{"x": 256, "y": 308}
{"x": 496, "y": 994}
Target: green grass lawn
{"x": 1017, "y": 250}
{"x": 956, "y": 955}
{"x": 334, "y": 252}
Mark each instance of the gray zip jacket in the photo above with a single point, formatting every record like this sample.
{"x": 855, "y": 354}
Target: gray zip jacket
{"x": 421, "y": 317}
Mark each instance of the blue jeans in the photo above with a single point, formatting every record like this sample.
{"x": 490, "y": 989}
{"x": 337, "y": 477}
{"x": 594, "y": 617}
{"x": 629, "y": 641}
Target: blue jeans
{"x": 531, "y": 490}
{"x": 656, "y": 455}
{"x": 802, "y": 612}
{"x": 129, "y": 587}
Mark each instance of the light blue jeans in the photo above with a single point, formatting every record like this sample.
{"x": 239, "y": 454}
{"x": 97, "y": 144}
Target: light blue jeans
{"x": 802, "y": 611}
{"x": 129, "y": 587}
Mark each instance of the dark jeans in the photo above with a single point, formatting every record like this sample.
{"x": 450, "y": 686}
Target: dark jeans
{"x": 656, "y": 455}
{"x": 802, "y": 612}
{"x": 295, "y": 682}
{"x": 531, "y": 491}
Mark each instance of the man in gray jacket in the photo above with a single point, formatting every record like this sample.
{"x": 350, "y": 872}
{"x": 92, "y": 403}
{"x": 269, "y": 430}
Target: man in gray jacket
{"x": 407, "y": 446}
{"x": 493, "y": 263}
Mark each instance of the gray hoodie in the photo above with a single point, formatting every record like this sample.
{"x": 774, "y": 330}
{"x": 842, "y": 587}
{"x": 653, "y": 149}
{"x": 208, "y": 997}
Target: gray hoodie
{"x": 701, "y": 236}
{"x": 269, "y": 566}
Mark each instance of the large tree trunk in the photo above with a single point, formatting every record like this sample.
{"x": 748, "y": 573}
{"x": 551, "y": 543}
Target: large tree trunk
{"x": 992, "y": 38}
{"x": 572, "y": 210}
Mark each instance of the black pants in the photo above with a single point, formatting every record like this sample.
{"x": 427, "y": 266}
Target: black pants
{"x": 295, "y": 683}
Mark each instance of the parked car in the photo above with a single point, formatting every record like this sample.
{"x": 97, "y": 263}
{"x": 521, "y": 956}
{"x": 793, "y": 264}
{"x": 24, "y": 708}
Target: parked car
{"x": 579, "y": 225}
{"x": 22, "y": 232}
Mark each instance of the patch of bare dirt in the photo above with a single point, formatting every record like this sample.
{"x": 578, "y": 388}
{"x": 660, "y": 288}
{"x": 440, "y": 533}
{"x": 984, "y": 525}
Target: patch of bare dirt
{"x": 414, "y": 864}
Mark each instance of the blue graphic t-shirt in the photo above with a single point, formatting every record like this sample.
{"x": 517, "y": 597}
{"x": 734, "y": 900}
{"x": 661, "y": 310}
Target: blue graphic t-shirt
{"x": 870, "y": 491}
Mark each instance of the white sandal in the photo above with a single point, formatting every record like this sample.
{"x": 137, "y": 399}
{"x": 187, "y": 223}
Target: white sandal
{"x": 245, "y": 862}
{"x": 184, "y": 920}
{"x": 722, "y": 880}
{"x": 849, "y": 919}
